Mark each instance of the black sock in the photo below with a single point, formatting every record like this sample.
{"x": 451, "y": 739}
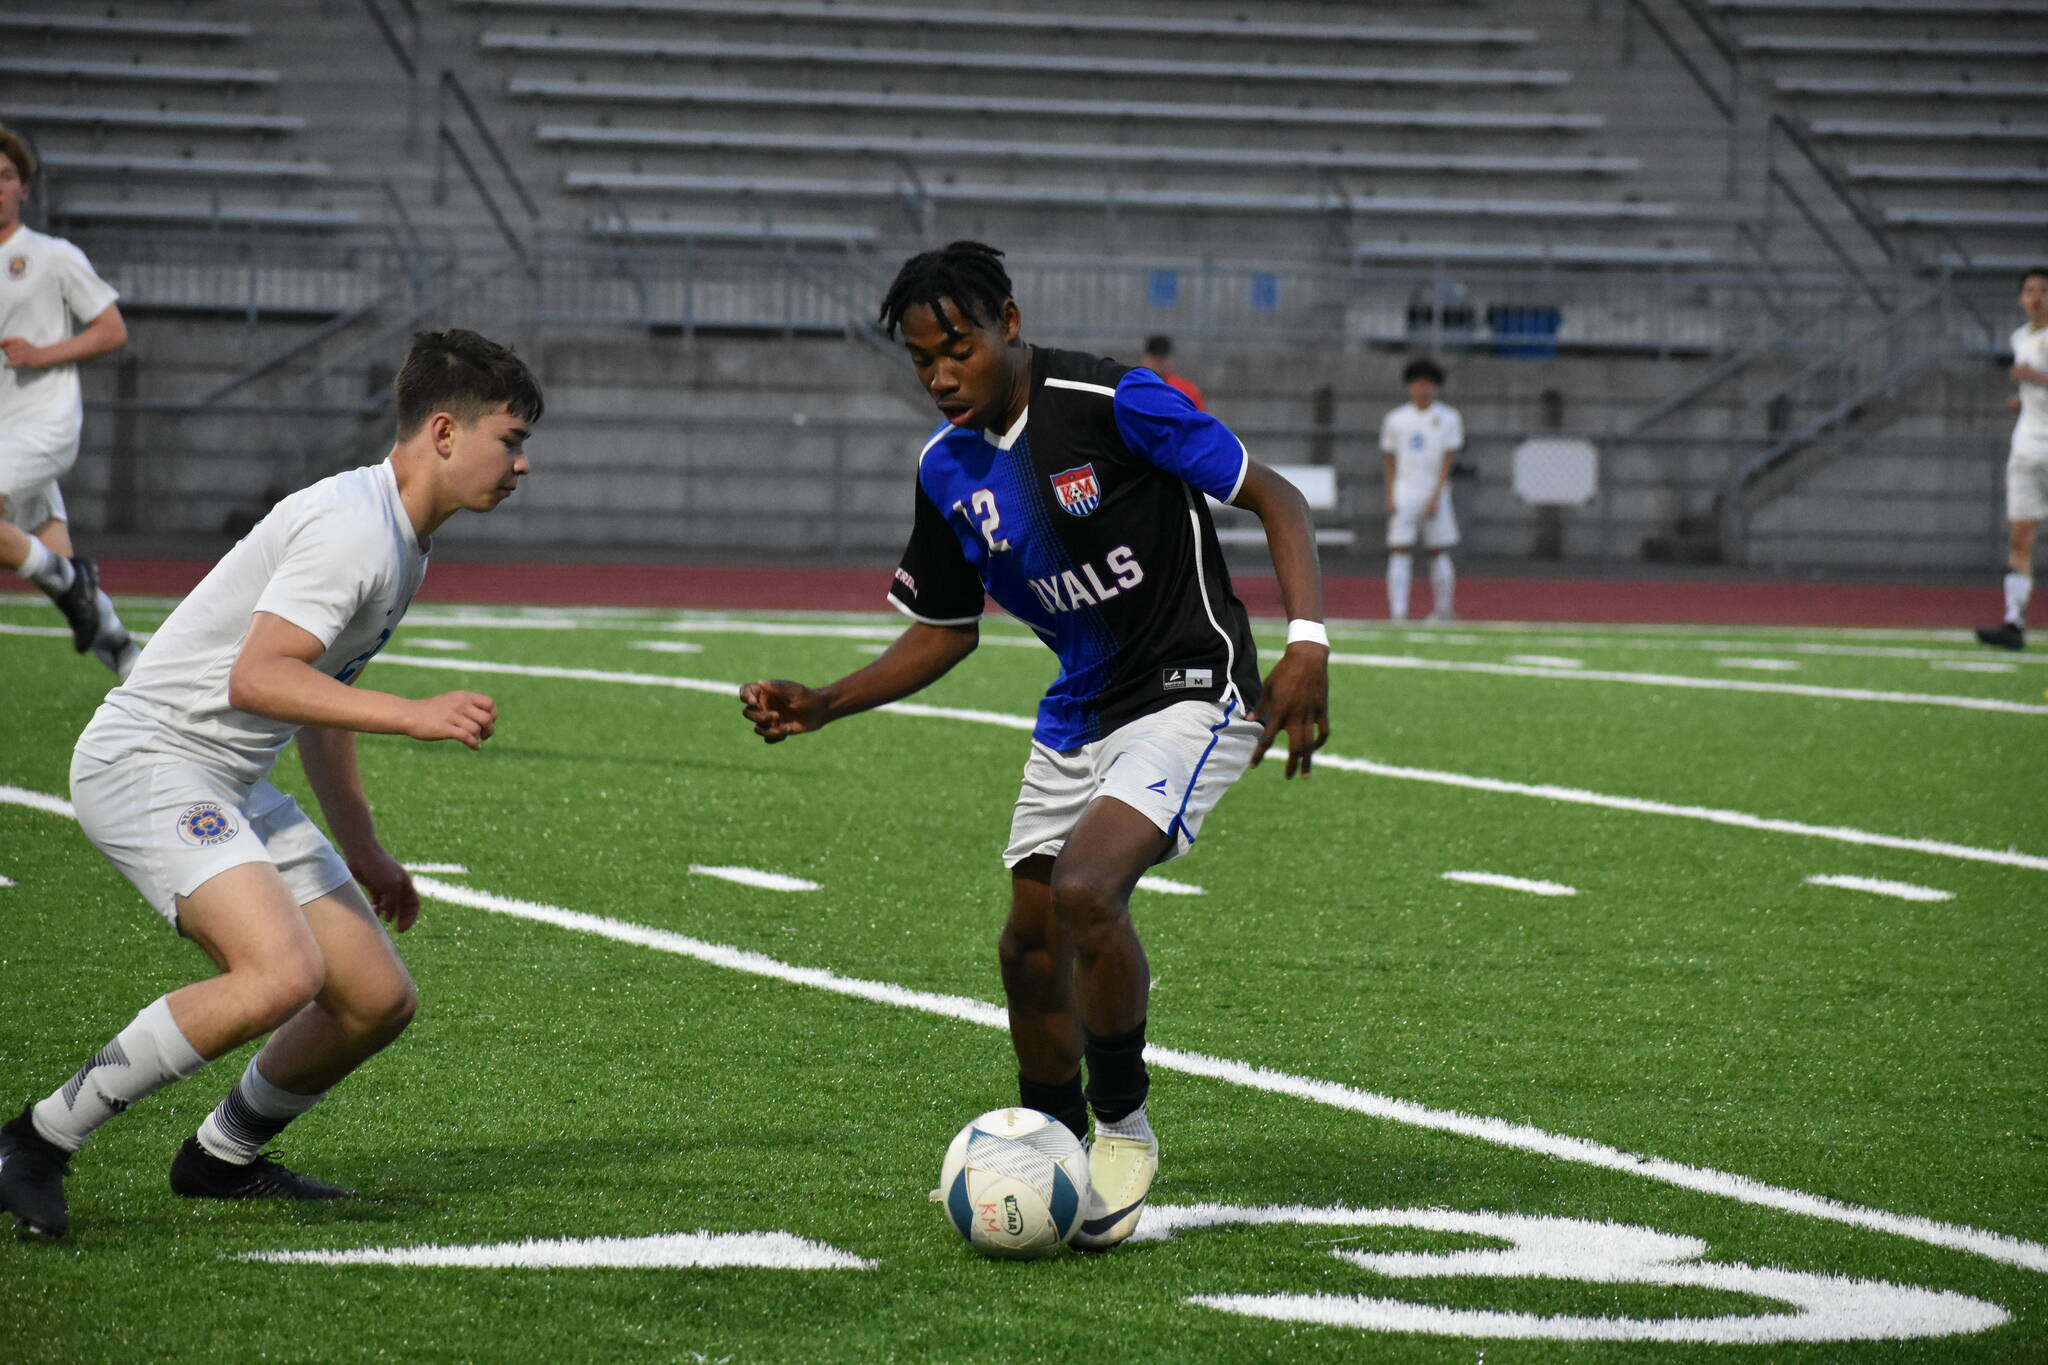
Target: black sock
{"x": 1117, "y": 1079}
{"x": 1061, "y": 1099}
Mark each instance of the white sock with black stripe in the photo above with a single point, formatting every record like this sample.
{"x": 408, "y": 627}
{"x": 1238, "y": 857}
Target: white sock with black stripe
{"x": 142, "y": 1059}
{"x": 253, "y": 1113}
{"x": 2018, "y": 588}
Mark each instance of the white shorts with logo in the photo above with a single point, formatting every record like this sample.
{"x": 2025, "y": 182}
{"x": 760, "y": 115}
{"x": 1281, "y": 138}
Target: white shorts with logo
{"x": 2026, "y": 484}
{"x": 32, "y": 458}
{"x": 1172, "y": 766}
{"x": 170, "y": 826}
{"x": 1439, "y": 532}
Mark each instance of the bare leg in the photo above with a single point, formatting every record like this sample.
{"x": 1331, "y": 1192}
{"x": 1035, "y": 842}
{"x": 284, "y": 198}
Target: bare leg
{"x": 1092, "y": 880}
{"x": 1038, "y": 978}
{"x": 366, "y": 1002}
{"x": 247, "y": 921}
{"x": 2020, "y": 549}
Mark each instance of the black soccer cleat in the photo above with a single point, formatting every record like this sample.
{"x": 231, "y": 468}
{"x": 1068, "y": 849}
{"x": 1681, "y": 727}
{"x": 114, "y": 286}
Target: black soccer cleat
{"x": 2007, "y": 636}
{"x": 80, "y": 603}
{"x": 198, "y": 1174}
{"x": 32, "y": 1171}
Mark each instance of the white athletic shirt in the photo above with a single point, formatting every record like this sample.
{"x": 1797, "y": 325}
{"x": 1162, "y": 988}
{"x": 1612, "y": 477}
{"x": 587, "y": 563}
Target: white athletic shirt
{"x": 1418, "y": 438}
{"x": 2030, "y": 433}
{"x": 338, "y": 560}
{"x": 48, "y": 289}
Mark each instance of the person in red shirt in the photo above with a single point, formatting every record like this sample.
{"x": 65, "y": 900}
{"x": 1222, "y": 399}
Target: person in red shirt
{"x": 1159, "y": 360}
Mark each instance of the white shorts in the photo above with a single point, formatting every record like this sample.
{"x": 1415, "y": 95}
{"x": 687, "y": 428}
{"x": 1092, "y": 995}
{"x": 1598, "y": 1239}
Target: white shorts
{"x": 28, "y": 508}
{"x": 169, "y": 826}
{"x": 1439, "y": 532}
{"x": 2026, "y": 488}
{"x": 1172, "y": 766}
{"x": 32, "y": 459}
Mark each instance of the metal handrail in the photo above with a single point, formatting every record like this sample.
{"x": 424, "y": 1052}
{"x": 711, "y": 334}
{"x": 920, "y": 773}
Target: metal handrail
{"x": 1848, "y": 197}
{"x": 448, "y": 85}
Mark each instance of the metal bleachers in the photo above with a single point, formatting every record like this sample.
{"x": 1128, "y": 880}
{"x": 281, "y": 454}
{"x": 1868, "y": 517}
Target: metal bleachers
{"x": 105, "y": 26}
{"x": 1027, "y": 150}
{"x": 133, "y": 119}
{"x": 572, "y": 46}
{"x": 75, "y": 70}
{"x": 561, "y": 89}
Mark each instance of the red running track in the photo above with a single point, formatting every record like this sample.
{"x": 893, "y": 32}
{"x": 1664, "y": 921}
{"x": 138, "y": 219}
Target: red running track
{"x": 1678, "y": 601}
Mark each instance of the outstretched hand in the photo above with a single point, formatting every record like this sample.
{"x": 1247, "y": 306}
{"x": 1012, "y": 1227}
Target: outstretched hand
{"x": 1297, "y": 700}
{"x": 779, "y": 708}
{"x": 392, "y": 894}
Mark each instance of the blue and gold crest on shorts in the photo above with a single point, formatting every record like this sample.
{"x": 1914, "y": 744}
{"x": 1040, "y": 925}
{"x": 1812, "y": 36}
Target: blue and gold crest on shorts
{"x": 206, "y": 824}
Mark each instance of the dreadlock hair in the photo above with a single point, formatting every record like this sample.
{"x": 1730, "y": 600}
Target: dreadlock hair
{"x": 971, "y": 274}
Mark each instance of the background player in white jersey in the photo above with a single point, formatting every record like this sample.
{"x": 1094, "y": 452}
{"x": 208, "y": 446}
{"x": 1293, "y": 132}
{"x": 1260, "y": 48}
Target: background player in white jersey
{"x": 1069, "y": 488}
{"x": 2026, "y": 469}
{"x": 46, "y": 287}
{"x": 1419, "y": 439}
{"x": 169, "y": 783}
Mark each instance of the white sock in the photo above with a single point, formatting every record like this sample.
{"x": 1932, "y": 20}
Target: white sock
{"x": 45, "y": 568}
{"x": 2018, "y": 588}
{"x": 1131, "y": 1125}
{"x": 143, "y": 1058}
{"x": 1400, "y": 569}
{"x": 1441, "y": 579}
{"x": 253, "y": 1113}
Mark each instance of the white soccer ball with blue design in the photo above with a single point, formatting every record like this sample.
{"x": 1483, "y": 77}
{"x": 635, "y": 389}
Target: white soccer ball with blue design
{"x": 1014, "y": 1183}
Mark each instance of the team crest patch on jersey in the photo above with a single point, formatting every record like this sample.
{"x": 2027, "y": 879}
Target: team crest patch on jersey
{"x": 206, "y": 824}
{"x": 17, "y": 266}
{"x": 1078, "y": 492}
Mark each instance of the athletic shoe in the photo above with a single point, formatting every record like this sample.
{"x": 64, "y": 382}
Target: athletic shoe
{"x": 80, "y": 603}
{"x": 2007, "y": 636}
{"x": 1120, "y": 1172}
{"x": 198, "y": 1174}
{"x": 32, "y": 1170}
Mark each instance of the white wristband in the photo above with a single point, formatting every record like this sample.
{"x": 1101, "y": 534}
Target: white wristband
{"x": 1311, "y": 631}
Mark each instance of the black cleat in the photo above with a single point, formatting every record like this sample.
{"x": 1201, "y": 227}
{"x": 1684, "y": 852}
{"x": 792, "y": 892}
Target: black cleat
{"x": 32, "y": 1170}
{"x": 80, "y": 603}
{"x": 198, "y": 1174}
{"x": 2007, "y": 636}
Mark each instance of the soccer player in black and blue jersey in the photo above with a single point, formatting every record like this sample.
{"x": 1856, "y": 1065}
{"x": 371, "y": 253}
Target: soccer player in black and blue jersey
{"x": 1069, "y": 488}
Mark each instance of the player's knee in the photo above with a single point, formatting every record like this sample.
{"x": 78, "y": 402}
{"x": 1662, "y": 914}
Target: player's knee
{"x": 284, "y": 985}
{"x": 1086, "y": 902}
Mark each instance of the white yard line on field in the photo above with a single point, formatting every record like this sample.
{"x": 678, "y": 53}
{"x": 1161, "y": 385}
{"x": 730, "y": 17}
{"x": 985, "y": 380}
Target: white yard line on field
{"x": 1877, "y": 886}
{"x": 1702, "y": 684}
{"x": 1571, "y": 795}
{"x": 1520, "y": 1136}
{"x": 1507, "y": 883}
{"x": 754, "y": 876}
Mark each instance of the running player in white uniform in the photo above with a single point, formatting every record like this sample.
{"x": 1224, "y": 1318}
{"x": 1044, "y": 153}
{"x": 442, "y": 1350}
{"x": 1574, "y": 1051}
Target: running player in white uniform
{"x": 2026, "y": 469}
{"x": 1419, "y": 440}
{"x": 46, "y": 288}
{"x": 169, "y": 782}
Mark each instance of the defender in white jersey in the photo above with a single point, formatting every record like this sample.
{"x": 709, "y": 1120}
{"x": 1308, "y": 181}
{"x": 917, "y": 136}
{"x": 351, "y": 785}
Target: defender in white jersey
{"x": 2026, "y": 468}
{"x": 1419, "y": 440}
{"x": 48, "y": 287}
{"x": 170, "y": 782}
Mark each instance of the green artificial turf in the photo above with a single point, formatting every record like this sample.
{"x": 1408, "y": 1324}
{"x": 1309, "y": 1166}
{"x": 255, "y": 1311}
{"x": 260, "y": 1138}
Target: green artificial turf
{"x": 1697, "y": 1002}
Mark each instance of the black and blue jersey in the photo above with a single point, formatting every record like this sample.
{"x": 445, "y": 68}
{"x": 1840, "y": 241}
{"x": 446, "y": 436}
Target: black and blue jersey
{"x": 1086, "y": 521}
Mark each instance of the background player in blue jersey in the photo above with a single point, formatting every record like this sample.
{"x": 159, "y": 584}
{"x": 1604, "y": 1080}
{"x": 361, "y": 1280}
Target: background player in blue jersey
{"x": 1069, "y": 488}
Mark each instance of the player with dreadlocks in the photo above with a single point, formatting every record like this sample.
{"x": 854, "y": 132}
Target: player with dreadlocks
{"x": 1069, "y": 488}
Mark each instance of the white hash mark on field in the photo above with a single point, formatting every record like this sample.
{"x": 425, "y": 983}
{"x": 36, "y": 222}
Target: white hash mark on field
{"x": 1534, "y": 888}
{"x": 1546, "y": 660}
{"x": 446, "y": 869}
{"x": 751, "y": 876}
{"x": 436, "y": 642}
{"x": 1877, "y": 886}
{"x": 672, "y": 1251}
{"x": 6, "y": 881}
{"x": 668, "y": 646}
{"x": 1786, "y": 689}
{"x": 1973, "y": 666}
{"x": 1168, "y": 886}
{"x": 1763, "y": 665}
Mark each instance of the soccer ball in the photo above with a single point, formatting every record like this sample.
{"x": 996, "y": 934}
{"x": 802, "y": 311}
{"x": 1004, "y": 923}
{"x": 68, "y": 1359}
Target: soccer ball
{"x": 1014, "y": 1183}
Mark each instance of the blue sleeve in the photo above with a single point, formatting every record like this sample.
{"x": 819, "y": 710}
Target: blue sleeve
{"x": 1163, "y": 428}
